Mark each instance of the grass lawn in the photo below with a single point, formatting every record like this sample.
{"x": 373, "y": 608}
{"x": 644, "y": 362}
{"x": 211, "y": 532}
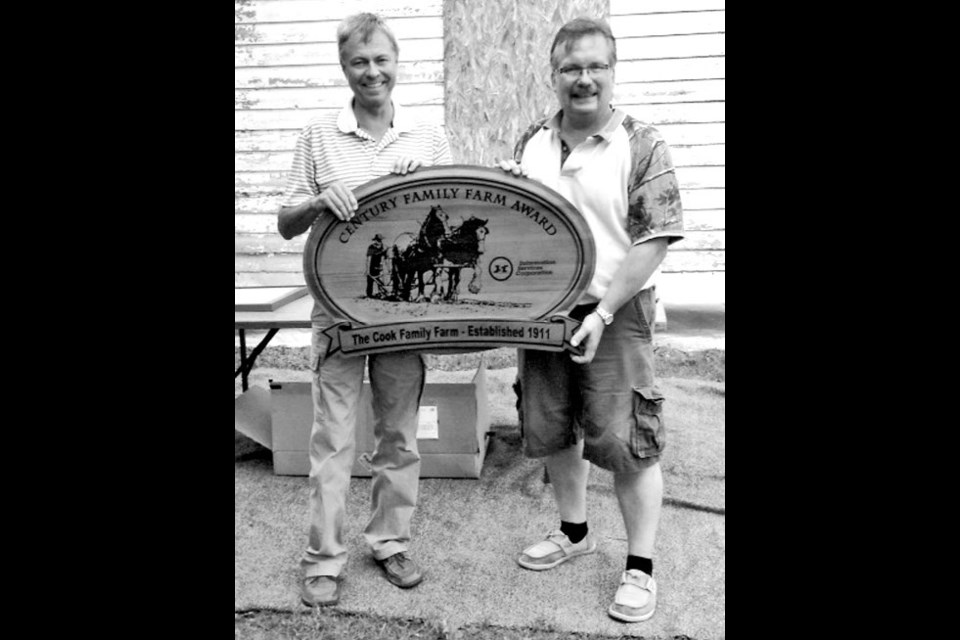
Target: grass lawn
{"x": 330, "y": 624}
{"x": 684, "y": 369}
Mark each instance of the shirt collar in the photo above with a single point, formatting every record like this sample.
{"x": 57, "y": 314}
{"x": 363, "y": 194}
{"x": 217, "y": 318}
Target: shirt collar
{"x": 606, "y": 133}
{"x": 347, "y": 121}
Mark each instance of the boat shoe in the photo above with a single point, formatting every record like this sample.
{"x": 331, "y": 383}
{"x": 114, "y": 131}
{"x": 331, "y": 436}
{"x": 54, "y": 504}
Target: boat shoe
{"x": 401, "y": 570}
{"x": 556, "y": 549}
{"x": 319, "y": 591}
{"x": 636, "y": 598}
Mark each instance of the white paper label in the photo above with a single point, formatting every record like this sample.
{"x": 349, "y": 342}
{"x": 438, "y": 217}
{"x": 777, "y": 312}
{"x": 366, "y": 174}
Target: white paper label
{"x": 428, "y": 427}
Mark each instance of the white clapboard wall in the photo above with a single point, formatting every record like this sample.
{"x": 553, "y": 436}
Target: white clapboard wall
{"x": 287, "y": 71}
{"x": 670, "y": 73}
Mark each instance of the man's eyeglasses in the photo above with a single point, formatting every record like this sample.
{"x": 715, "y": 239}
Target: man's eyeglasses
{"x": 573, "y": 73}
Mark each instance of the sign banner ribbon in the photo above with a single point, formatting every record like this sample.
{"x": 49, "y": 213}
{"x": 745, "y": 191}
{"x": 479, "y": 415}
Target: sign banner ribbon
{"x": 553, "y": 334}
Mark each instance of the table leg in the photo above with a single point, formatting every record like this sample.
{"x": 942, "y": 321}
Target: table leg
{"x": 246, "y": 363}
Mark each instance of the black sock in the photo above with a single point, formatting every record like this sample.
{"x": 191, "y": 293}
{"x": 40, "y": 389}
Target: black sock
{"x": 643, "y": 564}
{"x": 576, "y": 532}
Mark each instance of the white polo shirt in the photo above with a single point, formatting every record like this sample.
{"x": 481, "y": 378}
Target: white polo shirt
{"x": 621, "y": 180}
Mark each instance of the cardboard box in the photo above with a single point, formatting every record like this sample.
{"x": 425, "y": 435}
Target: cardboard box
{"x": 454, "y": 419}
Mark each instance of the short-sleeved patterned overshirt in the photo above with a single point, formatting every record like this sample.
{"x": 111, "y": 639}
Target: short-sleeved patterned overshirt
{"x": 621, "y": 180}
{"x": 333, "y": 147}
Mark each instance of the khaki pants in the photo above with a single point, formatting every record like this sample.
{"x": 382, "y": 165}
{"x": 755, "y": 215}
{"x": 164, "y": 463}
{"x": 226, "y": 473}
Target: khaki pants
{"x": 397, "y": 384}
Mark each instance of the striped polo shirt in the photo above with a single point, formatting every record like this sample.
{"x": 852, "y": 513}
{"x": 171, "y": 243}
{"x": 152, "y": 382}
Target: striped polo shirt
{"x": 333, "y": 147}
{"x": 621, "y": 180}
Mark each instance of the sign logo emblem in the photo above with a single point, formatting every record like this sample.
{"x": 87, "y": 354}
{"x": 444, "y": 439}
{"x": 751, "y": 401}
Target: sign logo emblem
{"x": 501, "y": 268}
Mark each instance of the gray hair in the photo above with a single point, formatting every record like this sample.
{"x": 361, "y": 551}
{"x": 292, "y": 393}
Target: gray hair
{"x": 364, "y": 25}
{"x": 576, "y": 29}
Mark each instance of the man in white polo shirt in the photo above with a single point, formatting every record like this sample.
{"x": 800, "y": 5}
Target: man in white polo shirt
{"x": 602, "y": 407}
{"x": 370, "y": 137}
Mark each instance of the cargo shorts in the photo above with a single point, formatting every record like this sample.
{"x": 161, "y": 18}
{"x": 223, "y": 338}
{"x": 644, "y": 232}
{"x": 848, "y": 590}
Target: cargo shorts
{"x": 611, "y": 402}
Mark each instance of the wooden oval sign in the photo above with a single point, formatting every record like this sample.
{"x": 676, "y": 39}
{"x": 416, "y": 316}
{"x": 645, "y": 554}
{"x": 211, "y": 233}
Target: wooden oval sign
{"x": 451, "y": 256}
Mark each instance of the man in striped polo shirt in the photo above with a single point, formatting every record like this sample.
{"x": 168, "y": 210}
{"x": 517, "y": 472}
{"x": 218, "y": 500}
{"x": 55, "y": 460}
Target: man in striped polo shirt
{"x": 370, "y": 137}
{"x": 601, "y": 407}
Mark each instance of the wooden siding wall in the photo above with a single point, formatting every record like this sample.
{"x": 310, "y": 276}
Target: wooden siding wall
{"x": 486, "y": 80}
{"x": 670, "y": 73}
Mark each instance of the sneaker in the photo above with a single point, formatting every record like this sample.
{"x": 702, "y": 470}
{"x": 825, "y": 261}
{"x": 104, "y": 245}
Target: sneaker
{"x": 636, "y": 598}
{"x": 320, "y": 591}
{"x": 555, "y": 550}
{"x": 401, "y": 570}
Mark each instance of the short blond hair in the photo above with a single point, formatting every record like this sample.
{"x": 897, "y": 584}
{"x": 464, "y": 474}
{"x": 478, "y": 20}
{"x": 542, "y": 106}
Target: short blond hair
{"x": 364, "y": 25}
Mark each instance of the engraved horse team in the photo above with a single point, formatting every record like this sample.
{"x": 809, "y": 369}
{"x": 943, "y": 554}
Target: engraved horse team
{"x": 437, "y": 249}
